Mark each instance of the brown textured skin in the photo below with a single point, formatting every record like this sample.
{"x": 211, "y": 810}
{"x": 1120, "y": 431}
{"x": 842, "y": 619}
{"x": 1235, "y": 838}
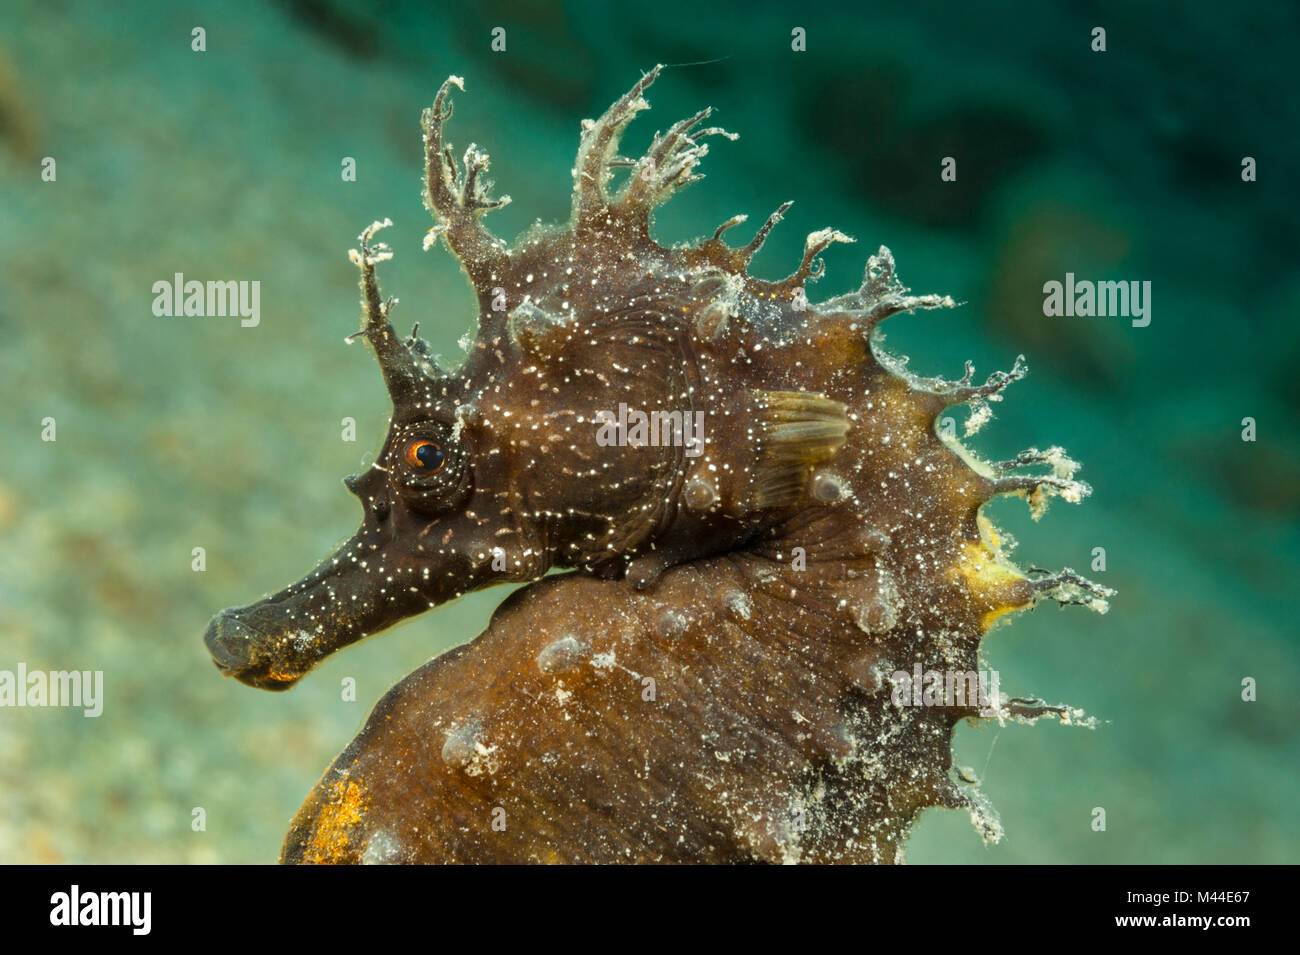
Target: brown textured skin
{"x": 712, "y": 682}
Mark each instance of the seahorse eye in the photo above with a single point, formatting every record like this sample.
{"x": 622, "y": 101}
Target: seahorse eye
{"x": 426, "y": 456}
{"x": 428, "y": 469}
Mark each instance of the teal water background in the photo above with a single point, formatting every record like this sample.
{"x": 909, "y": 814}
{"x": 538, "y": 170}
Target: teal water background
{"x": 175, "y": 433}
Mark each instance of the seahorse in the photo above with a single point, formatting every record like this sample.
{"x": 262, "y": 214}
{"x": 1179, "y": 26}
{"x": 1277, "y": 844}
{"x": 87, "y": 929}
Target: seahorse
{"x": 729, "y": 668}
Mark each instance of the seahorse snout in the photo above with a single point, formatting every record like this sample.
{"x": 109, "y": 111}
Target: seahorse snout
{"x": 234, "y": 646}
{"x": 230, "y": 642}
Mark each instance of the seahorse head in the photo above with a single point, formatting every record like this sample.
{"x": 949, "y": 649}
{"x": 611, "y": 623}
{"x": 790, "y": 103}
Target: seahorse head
{"x": 573, "y": 433}
{"x": 623, "y": 407}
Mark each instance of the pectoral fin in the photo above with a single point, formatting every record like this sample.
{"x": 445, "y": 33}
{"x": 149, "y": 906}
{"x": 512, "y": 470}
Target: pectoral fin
{"x": 796, "y": 431}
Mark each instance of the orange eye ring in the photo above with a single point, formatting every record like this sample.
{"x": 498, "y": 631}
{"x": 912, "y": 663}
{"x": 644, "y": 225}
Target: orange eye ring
{"x": 427, "y": 457}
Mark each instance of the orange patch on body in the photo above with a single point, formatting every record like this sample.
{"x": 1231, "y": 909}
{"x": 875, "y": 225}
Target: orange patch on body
{"x": 332, "y": 834}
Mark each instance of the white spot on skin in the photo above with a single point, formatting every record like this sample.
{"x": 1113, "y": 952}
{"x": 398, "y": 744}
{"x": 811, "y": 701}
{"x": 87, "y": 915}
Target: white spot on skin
{"x": 383, "y": 849}
{"x": 459, "y": 748}
{"x": 561, "y": 656}
{"x": 672, "y": 624}
{"x": 738, "y": 605}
